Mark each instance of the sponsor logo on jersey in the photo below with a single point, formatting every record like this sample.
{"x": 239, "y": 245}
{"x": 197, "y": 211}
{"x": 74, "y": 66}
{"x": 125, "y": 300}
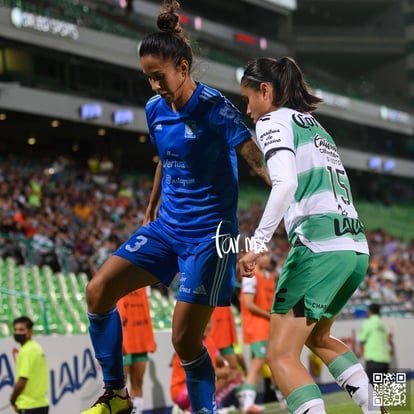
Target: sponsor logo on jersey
{"x": 268, "y": 137}
{"x": 269, "y": 132}
{"x": 230, "y": 112}
{"x": 305, "y": 120}
{"x": 190, "y": 130}
{"x": 348, "y": 225}
{"x": 321, "y": 142}
{"x": 200, "y": 290}
{"x": 319, "y": 305}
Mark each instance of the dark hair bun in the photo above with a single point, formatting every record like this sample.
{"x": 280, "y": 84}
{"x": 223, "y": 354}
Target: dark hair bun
{"x": 167, "y": 22}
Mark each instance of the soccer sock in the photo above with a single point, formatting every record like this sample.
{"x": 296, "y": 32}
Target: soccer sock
{"x": 201, "y": 383}
{"x": 138, "y": 403}
{"x": 278, "y": 394}
{"x": 249, "y": 395}
{"x": 240, "y": 395}
{"x": 105, "y": 331}
{"x": 306, "y": 399}
{"x": 350, "y": 375}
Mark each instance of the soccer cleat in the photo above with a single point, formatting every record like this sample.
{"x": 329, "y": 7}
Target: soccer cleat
{"x": 254, "y": 409}
{"x": 111, "y": 403}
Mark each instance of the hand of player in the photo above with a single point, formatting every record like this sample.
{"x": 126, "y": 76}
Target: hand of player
{"x": 247, "y": 264}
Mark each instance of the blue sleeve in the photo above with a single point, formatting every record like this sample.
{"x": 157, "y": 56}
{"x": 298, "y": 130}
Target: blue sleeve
{"x": 150, "y": 113}
{"x": 227, "y": 120}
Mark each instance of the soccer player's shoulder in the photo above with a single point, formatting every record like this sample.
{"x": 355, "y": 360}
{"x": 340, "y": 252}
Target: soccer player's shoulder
{"x": 280, "y": 116}
{"x": 209, "y": 95}
{"x": 153, "y": 103}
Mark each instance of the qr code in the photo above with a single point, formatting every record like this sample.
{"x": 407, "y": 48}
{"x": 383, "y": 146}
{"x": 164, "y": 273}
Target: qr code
{"x": 390, "y": 390}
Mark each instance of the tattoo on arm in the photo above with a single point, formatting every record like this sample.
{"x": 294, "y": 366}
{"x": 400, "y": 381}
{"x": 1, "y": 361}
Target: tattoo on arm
{"x": 253, "y": 156}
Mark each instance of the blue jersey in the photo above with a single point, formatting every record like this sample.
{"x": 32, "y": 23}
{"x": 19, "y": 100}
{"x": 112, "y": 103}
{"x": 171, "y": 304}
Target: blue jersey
{"x": 196, "y": 146}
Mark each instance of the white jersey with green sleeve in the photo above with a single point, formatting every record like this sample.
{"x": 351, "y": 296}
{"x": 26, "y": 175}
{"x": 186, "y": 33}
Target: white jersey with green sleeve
{"x": 321, "y": 213}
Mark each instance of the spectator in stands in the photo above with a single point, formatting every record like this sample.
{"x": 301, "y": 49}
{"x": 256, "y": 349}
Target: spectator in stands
{"x": 44, "y": 249}
{"x": 405, "y": 292}
{"x": 102, "y": 253}
{"x": 29, "y": 395}
{"x": 388, "y": 293}
{"x": 83, "y": 250}
{"x": 138, "y": 341}
{"x": 373, "y": 288}
{"x": 373, "y": 336}
{"x": 196, "y": 131}
{"x": 329, "y": 254}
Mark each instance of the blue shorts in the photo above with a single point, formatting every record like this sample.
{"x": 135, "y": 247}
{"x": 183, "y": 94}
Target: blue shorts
{"x": 205, "y": 278}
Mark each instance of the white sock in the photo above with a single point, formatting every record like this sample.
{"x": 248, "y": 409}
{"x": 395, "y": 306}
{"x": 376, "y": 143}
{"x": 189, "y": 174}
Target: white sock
{"x": 312, "y": 407}
{"x": 249, "y": 398}
{"x": 355, "y": 381}
{"x": 279, "y": 395}
{"x": 138, "y": 403}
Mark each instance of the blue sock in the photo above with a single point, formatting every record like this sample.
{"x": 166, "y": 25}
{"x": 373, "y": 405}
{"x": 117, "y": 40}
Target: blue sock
{"x": 105, "y": 331}
{"x": 201, "y": 383}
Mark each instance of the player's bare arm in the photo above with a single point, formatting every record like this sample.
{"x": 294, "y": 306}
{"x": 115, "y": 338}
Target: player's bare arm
{"x": 252, "y": 154}
{"x": 155, "y": 197}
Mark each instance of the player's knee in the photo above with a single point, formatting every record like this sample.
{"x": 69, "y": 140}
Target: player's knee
{"x": 177, "y": 339}
{"x": 186, "y": 349}
{"x": 316, "y": 341}
{"x": 93, "y": 297}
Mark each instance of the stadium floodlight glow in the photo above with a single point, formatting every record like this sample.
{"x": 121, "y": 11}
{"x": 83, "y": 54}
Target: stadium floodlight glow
{"x": 184, "y": 19}
{"x": 239, "y": 74}
{"x": 123, "y": 117}
{"x": 90, "y": 111}
{"x": 394, "y": 115}
{"x": 245, "y": 38}
{"x": 374, "y": 163}
{"x": 198, "y": 23}
{"x": 278, "y": 5}
{"x": 263, "y": 43}
{"x": 389, "y": 165}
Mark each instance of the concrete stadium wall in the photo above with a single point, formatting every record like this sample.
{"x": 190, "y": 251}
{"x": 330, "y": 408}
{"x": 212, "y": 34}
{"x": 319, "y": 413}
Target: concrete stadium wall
{"x": 75, "y": 377}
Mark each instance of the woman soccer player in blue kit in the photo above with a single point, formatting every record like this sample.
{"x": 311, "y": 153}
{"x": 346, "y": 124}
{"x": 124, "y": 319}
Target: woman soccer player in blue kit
{"x": 196, "y": 131}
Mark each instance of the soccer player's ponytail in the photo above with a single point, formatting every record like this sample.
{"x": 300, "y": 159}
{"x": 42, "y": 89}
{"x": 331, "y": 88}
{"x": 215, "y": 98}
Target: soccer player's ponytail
{"x": 286, "y": 78}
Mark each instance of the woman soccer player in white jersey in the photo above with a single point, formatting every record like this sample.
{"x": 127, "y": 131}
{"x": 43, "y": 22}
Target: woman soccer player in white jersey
{"x": 196, "y": 131}
{"x": 329, "y": 254}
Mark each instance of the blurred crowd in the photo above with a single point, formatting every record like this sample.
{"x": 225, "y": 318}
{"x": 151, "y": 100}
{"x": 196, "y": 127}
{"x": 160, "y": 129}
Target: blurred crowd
{"x": 71, "y": 217}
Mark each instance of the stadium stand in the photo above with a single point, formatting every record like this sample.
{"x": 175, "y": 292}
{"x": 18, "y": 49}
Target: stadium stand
{"x": 27, "y": 286}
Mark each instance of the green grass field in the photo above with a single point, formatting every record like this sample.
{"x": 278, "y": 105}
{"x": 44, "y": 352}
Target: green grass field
{"x": 340, "y": 403}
